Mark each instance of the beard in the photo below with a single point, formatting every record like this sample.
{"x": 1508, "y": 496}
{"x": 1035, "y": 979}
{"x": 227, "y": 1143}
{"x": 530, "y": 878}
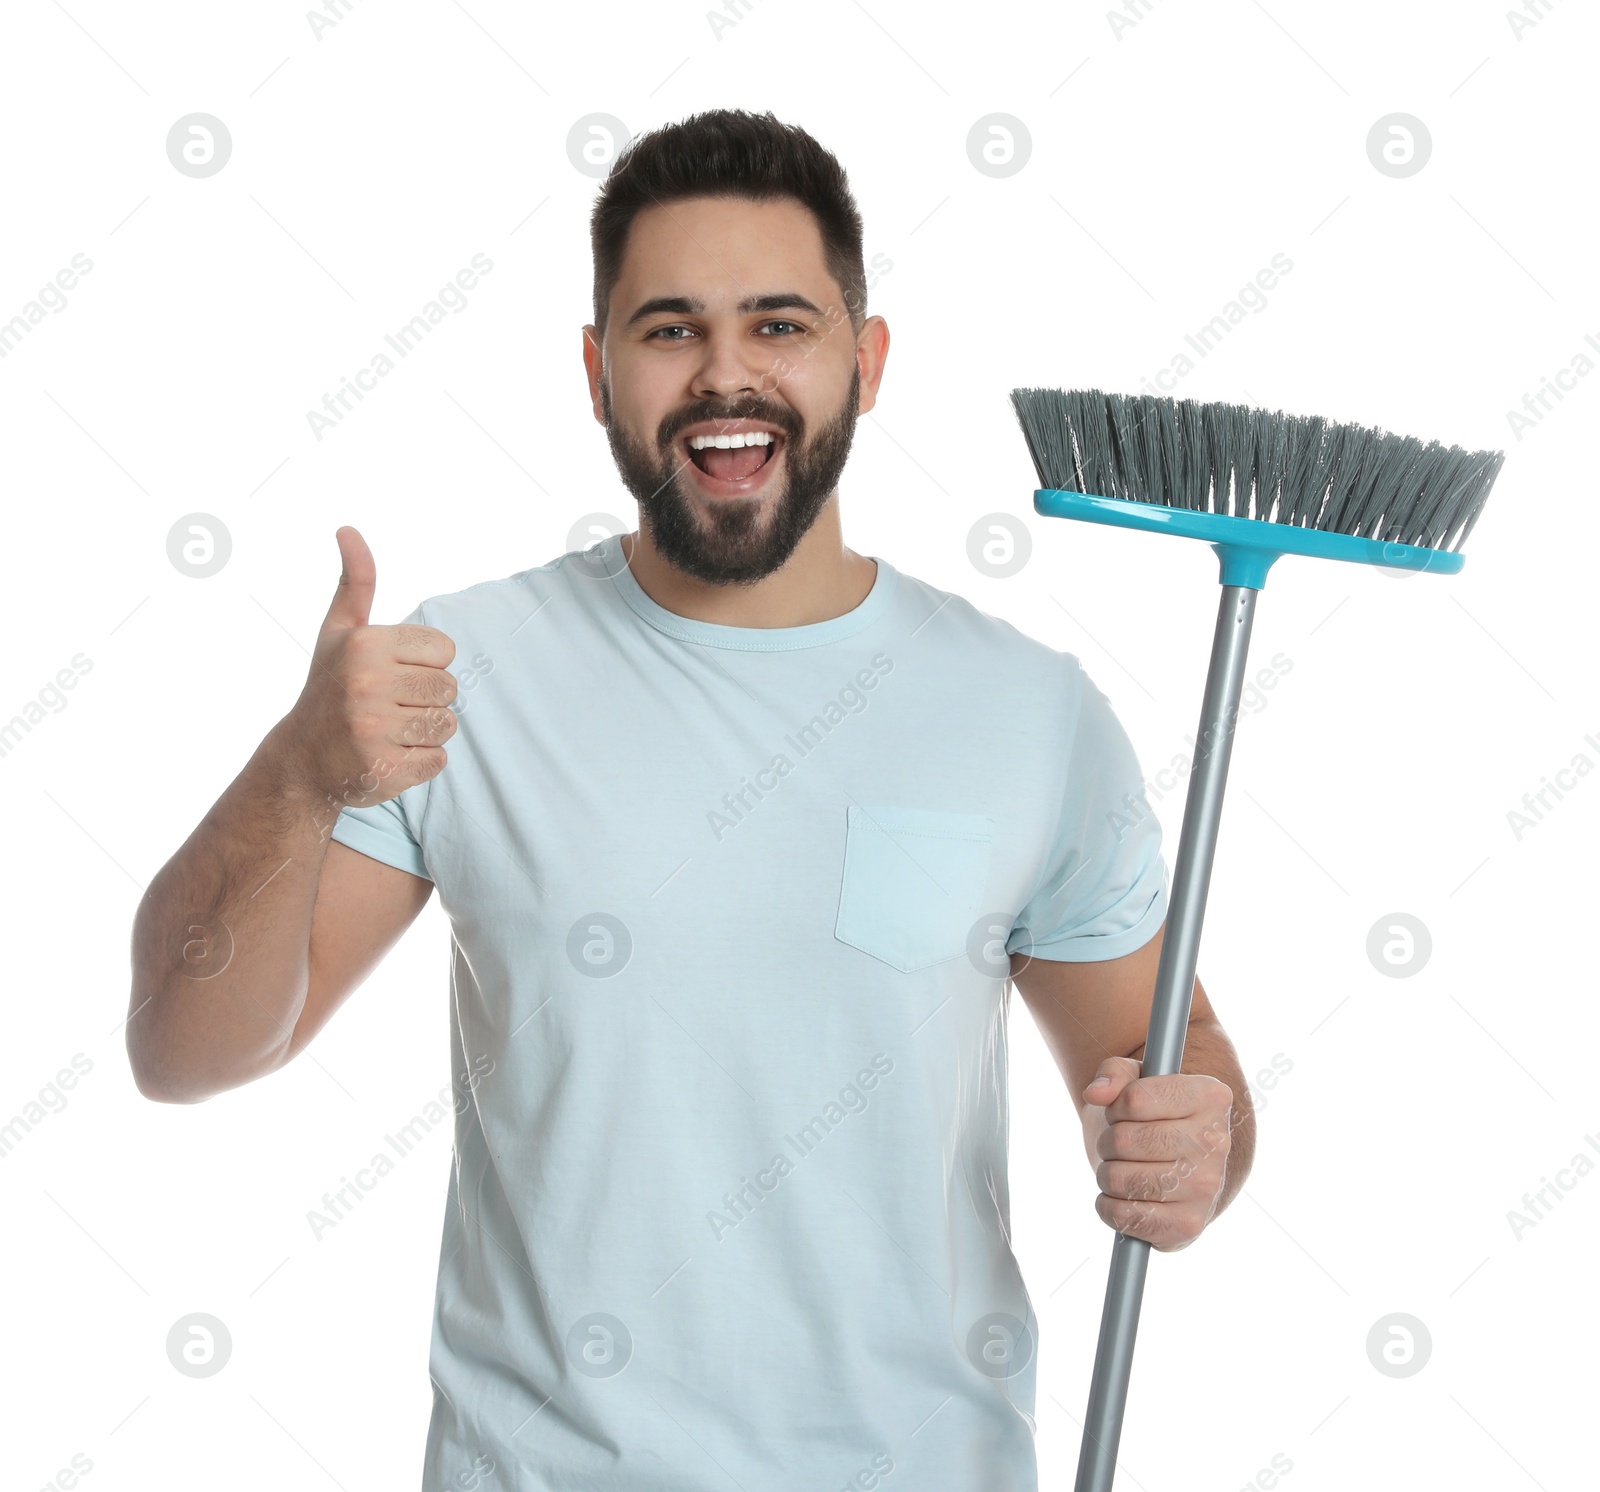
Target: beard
{"x": 731, "y": 545}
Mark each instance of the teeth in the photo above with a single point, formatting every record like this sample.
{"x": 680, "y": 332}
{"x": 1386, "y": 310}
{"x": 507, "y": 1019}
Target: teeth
{"x": 730, "y": 442}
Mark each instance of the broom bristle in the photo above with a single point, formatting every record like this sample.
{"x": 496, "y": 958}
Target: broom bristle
{"x": 1255, "y": 463}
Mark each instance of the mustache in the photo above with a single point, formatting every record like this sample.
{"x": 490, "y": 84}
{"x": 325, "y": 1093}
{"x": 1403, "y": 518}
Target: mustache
{"x": 771, "y": 414}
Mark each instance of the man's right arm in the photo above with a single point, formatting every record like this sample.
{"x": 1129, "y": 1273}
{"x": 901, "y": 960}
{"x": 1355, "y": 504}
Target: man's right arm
{"x": 251, "y": 935}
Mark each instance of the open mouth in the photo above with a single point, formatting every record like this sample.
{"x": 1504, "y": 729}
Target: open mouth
{"x": 733, "y": 464}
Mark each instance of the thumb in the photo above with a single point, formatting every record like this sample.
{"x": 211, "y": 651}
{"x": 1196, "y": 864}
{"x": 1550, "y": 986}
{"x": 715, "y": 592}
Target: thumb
{"x": 1111, "y": 1077}
{"x": 352, "y": 602}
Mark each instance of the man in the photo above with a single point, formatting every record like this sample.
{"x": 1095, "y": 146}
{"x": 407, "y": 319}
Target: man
{"x": 740, "y": 836}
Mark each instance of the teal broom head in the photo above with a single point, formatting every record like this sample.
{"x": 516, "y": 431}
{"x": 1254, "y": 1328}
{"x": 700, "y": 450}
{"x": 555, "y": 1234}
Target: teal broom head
{"x": 1255, "y": 484}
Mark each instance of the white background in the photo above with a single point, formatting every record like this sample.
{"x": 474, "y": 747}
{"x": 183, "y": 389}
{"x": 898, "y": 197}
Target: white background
{"x": 1168, "y": 164}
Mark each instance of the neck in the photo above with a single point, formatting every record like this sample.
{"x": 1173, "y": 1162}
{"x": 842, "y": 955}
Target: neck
{"x": 822, "y": 579}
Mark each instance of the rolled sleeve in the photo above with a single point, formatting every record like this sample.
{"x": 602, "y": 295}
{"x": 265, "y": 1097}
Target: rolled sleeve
{"x": 382, "y": 833}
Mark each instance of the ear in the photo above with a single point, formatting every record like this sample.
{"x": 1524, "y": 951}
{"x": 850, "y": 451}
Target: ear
{"x": 595, "y": 370}
{"x": 872, "y": 348}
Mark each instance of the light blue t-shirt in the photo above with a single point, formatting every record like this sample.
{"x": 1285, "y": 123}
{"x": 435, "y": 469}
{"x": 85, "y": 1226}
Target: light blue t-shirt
{"x": 729, "y": 912}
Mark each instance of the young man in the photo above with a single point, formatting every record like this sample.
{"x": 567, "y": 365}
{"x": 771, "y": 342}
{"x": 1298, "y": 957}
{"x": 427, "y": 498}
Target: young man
{"x": 740, "y": 836}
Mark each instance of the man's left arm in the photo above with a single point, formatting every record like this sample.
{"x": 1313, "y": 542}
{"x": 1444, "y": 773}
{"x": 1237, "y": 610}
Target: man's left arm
{"x": 1168, "y": 1152}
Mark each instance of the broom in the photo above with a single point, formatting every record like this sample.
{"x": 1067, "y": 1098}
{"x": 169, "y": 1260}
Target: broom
{"x": 1254, "y": 485}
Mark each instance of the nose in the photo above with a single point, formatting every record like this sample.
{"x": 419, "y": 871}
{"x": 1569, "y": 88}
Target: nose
{"x": 730, "y": 369}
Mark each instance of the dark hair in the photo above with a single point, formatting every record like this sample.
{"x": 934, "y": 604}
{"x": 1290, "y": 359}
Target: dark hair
{"x": 728, "y": 153}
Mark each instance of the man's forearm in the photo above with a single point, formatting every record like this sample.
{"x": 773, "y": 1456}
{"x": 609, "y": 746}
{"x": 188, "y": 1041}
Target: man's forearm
{"x": 1206, "y": 1051}
{"x": 221, "y": 940}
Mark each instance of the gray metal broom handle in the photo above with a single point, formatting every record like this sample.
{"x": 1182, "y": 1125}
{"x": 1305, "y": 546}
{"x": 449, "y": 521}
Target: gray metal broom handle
{"x": 1169, "y": 1018}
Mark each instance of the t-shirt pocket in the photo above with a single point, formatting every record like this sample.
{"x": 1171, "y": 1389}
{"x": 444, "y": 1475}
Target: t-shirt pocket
{"x": 914, "y": 882}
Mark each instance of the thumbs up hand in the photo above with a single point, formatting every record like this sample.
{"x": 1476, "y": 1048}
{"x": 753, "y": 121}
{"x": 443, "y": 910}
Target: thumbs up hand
{"x": 372, "y": 718}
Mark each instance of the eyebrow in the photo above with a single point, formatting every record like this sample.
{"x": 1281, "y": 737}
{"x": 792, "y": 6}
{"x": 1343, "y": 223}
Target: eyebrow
{"x": 688, "y": 305}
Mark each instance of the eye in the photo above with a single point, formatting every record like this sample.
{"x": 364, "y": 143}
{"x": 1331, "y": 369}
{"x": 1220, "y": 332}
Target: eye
{"x": 677, "y": 326}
